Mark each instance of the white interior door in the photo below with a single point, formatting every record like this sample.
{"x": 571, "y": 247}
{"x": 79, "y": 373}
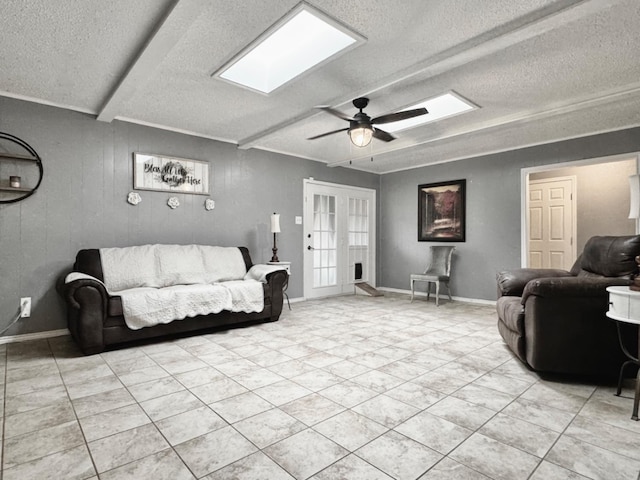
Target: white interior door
{"x": 339, "y": 238}
{"x": 552, "y": 224}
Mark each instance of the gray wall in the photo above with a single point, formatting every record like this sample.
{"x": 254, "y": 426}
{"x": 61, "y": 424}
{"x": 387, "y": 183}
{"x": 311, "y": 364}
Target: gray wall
{"x": 88, "y": 173}
{"x": 493, "y": 211}
{"x": 602, "y": 198}
{"x": 81, "y": 202}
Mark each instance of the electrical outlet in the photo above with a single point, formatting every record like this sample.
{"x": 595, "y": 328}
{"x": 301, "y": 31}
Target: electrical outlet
{"x": 25, "y": 307}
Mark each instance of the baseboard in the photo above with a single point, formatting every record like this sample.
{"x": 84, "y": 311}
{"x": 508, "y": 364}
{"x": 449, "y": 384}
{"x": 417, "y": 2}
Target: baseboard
{"x": 34, "y": 336}
{"x": 65, "y": 331}
{"x": 479, "y": 301}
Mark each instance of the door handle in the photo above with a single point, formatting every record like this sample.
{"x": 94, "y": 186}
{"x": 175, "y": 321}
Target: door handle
{"x": 309, "y": 247}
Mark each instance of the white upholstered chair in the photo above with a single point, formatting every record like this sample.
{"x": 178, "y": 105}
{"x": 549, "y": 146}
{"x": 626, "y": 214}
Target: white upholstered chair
{"x": 439, "y": 270}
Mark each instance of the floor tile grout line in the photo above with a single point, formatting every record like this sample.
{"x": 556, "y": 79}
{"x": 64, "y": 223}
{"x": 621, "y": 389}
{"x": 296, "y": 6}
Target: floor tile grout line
{"x": 583, "y": 441}
{"x": 151, "y": 421}
{"x": 406, "y": 381}
{"x": 544, "y": 459}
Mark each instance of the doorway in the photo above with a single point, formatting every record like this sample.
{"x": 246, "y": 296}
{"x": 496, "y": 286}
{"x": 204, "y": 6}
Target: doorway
{"x": 339, "y": 238}
{"x": 602, "y": 192}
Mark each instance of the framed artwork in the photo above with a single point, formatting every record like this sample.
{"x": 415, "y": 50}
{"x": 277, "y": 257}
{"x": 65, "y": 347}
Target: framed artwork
{"x": 441, "y": 211}
{"x": 168, "y": 174}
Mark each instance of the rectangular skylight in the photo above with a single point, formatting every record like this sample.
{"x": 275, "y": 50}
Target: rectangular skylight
{"x": 439, "y": 107}
{"x": 300, "y": 41}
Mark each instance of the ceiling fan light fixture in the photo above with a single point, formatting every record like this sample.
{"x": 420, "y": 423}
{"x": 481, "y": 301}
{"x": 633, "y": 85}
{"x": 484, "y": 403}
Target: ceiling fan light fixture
{"x": 361, "y": 136}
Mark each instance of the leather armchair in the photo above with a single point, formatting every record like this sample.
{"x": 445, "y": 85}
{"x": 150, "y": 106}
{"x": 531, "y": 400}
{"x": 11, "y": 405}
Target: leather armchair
{"x": 554, "y": 320}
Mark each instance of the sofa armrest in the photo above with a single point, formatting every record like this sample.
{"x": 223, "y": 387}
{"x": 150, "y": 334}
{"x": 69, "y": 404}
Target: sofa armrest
{"x": 86, "y": 299}
{"x": 71, "y": 290}
{"x": 513, "y": 282}
{"x": 261, "y": 272}
{"x": 276, "y": 281}
{"x": 564, "y": 287}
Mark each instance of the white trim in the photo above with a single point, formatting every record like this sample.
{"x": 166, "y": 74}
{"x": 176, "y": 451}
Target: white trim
{"x": 306, "y": 222}
{"x": 483, "y": 153}
{"x": 41, "y": 101}
{"x": 337, "y": 185}
{"x": 638, "y": 171}
{"x": 172, "y": 129}
{"x": 26, "y": 337}
{"x": 524, "y": 188}
{"x": 479, "y": 301}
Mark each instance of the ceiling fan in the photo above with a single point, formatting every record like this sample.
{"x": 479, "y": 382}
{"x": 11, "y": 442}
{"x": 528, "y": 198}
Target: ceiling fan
{"x": 361, "y": 127}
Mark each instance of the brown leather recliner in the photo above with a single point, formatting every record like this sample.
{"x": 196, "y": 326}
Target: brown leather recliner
{"x": 554, "y": 320}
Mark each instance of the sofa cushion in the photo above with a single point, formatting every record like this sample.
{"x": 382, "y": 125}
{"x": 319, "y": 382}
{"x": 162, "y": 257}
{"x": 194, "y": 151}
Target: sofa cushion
{"x": 611, "y": 256}
{"x": 159, "y": 266}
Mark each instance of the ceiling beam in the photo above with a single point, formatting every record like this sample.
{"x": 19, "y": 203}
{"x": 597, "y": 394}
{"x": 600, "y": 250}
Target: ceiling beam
{"x": 518, "y": 30}
{"x": 584, "y": 103}
{"x": 160, "y": 42}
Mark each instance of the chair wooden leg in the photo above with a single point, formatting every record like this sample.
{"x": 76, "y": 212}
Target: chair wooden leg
{"x": 437, "y": 293}
{"x": 412, "y": 282}
{"x": 449, "y": 290}
{"x": 428, "y": 290}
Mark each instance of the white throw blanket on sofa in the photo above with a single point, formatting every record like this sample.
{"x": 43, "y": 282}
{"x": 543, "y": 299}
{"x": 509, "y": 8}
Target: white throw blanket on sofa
{"x": 145, "y": 307}
{"x": 165, "y": 283}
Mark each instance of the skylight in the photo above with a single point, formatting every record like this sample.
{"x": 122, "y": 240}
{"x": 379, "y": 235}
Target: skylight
{"x": 439, "y": 107}
{"x": 300, "y": 41}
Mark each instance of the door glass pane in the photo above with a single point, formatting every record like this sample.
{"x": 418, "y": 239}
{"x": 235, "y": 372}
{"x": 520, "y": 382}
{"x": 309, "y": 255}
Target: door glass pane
{"x": 324, "y": 240}
{"x": 358, "y": 237}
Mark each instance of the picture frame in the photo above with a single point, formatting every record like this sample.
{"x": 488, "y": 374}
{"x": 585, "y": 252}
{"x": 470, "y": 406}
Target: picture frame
{"x": 442, "y": 211}
{"x": 170, "y": 174}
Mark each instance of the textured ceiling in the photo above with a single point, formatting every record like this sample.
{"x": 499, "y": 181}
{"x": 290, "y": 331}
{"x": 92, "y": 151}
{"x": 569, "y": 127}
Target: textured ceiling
{"x": 540, "y": 71}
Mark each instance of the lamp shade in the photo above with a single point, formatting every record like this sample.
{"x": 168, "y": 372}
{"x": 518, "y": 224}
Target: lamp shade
{"x": 361, "y": 136}
{"x": 275, "y": 223}
{"x": 634, "y": 196}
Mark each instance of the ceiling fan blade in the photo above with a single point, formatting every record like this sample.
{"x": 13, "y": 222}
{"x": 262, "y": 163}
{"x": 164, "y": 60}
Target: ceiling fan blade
{"x": 336, "y": 113}
{"x": 396, "y": 117}
{"x": 382, "y": 135}
{"x": 328, "y": 133}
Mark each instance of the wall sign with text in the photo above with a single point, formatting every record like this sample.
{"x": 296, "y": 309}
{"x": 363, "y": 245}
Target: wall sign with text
{"x": 154, "y": 172}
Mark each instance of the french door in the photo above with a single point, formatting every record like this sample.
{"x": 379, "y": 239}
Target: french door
{"x": 339, "y": 238}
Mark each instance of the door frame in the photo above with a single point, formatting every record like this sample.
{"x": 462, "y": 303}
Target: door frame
{"x": 308, "y": 222}
{"x": 524, "y": 191}
{"x": 574, "y": 212}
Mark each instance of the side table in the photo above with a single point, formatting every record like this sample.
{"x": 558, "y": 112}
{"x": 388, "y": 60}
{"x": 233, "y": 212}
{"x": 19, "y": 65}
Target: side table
{"x": 624, "y": 307}
{"x": 287, "y": 267}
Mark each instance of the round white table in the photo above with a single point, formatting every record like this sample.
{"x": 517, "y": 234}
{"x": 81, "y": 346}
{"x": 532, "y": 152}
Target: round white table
{"x": 624, "y": 307}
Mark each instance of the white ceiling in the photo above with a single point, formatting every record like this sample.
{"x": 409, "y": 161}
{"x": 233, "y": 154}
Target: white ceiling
{"x": 540, "y": 71}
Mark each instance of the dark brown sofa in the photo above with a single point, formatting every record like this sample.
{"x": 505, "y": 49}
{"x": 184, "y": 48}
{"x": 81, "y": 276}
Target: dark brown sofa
{"x": 96, "y": 320}
{"x": 554, "y": 320}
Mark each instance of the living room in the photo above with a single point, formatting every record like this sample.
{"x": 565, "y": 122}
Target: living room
{"x": 55, "y": 106}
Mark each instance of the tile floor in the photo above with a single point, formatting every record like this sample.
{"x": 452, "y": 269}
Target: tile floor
{"x": 346, "y": 388}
